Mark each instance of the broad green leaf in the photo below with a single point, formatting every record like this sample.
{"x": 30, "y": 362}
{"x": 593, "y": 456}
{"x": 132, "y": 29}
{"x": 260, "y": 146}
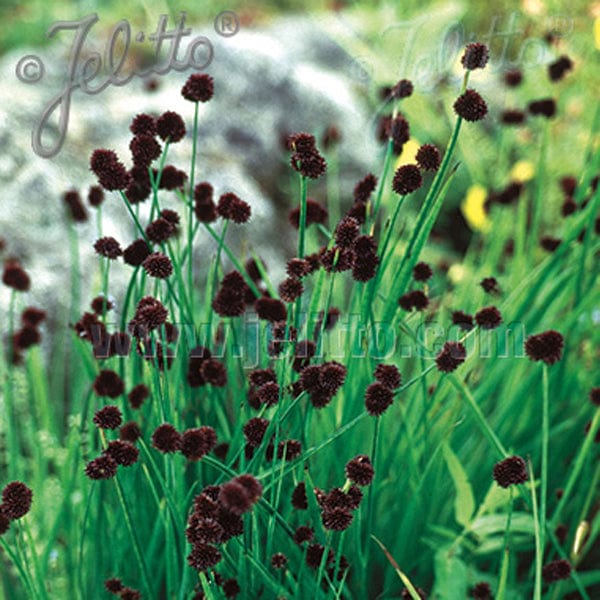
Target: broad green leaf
{"x": 450, "y": 576}
{"x": 464, "y": 504}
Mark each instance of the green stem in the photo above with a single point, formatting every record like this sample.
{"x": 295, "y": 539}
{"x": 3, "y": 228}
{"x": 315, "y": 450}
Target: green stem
{"x": 544, "y": 471}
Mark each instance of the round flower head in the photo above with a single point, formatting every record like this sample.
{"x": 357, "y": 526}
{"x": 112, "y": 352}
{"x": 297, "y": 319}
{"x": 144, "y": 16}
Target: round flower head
{"x": 475, "y": 57}
{"x": 595, "y": 396}
{"x": 545, "y": 107}
{"x": 76, "y": 208}
{"x": 138, "y": 395}
{"x": 299, "y": 499}
{"x": 336, "y": 519}
{"x": 130, "y": 432}
{"x": 416, "y": 300}
{"x": 556, "y": 570}
{"x": 233, "y": 208}
{"x": 159, "y": 230}
{"x": 111, "y": 173}
{"x": 14, "y": 276}
{"x": 214, "y": 372}
{"x": 136, "y": 253}
{"x": 470, "y": 106}
{"x": 108, "y": 417}
{"x": 513, "y": 78}
{"x": 488, "y": 318}
{"x": 364, "y": 188}
{"x": 378, "y": 398}
{"x": 143, "y": 124}
{"x": 388, "y": 375}
{"x": 315, "y": 213}
{"x": 407, "y": 179}
{"x": 490, "y": 285}
{"x": 559, "y": 68}
{"x": 166, "y": 438}
{"x": 347, "y": 230}
{"x": 254, "y": 431}
{"x": 303, "y": 534}
{"x": 108, "y": 383}
{"x": 279, "y": 560}
{"x": 198, "y": 88}
{"x": 270, "y": 309}
{"x": 158, "y": 265}
{"x": 512, "y": 117}
{"x": 451, "y": 356}
{"x": 428, "y": 157}
{"x": 103, "y": 467}
{"x": 113, "y": 585}
{"x": 33, "y": 316}
{"x": 235, "y": 498}
{"x": 403, "y": 89}
{"x": 308, "y": 164}
{"x": 198, "y": 442}
{"x": 170, "y": 127}
{"x": 422, "y": 272}
{"x": 550, "y": 244}
{"x": 462, "y": 319}
{"x": 108, "y": 247}
{"x": 203, "y": 557}
{"x": 482, "y": 591}
{"x": 359, "y": 470}
{"x": 16, "y": 500}
{"x": 289, "y": 449}
{"x": 290, "y": 289}
{"x": 171, "y": 178}
{"x": 231, "y": 588}
{"x": 122, "y": 452}
{"x": 144, "y": 149}
{"x": 510, "y": 471}
{"x": 546, "y": 347}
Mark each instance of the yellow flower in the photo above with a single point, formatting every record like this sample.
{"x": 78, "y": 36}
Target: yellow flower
{"x": 409, "y": 152}
{"x": 522, "y": 171}
{"x": 597, "y": 33}
{"x": 473, "y": 209}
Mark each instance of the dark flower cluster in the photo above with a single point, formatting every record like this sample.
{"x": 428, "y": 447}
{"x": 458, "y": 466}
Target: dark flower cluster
{"x": 16, "y": 503}
{"x": 546, "y": 347}
{"x": 322, "y": 382}
{"x": 379, "y": 395}
{"x": 305, "y": 158}
{"x": 510, "y": 471}
{"x": 450, "y": 357}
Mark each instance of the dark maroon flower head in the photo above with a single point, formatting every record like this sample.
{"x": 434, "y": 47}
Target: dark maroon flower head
{"x": 214, "y": 372}
{"x": 130, "y": 432}
{"x": 16, "y": 500}
{"x": 422, "y": 272}
{"x": 403, "y": 89}
{"x": 33, "y": 316}
{"x": 378, "y": 398}
{"x": 289, "y": 449}
{"x": 510, "y": 471}
{"x": 254, "y": 431}
{"x": 336, "y": 519}
{"x": 149, "y": 314}
{"x": 315, "y": 213}
{"x": 136, "y": 253}
{"x": 299, "y": 499}
{"x": 108, "y": 383}
{"x": 198, "y": 442}
{"x": 308, "y": 164}
{"x": 123, "y": 453}
{"x": 171, "y": 178}
{"x": 314, "y": 555}
{"x": 14, "y": 276}
{"x": 490, "y": 285}
{"x": 556, "y": 570}
{"x": 303, "y": 534}
{"x": 512, "y": 117}
{"x": 545, "y": 107}
{"x": 398, "y": 130}
{"x": 144, "y": 149}
{"x": 100, "y": 304}
{"x": 550, "y": 244}
{"x": 462, "y": 319}
{"x": 364, "y": 188}
{"x": 290, "y": 289}
{"x": 568, "y": 185}
{"x": 170, "y": 126}
{"x": 26, "y": 337}
{"x": 415, "y": 300}
{"x": 166, "y": 438}
{"x": 109, "y": 417}
{"x": 143, "y": 124}
{"x": 476, "y": 56}
{"x": 559, "y": 68}
{"x": 359, "y": 470}
{"x": 204, "y": 206}
{"x": 128, "y": 593}
{"x": 158, "y": 265}
{"x": 203, "y": 557}
{"x": 388, "y": 375}
{"x": 347, "y": 230}
{"x": 301, "y": 142}
{"x": 230, "y": 298}
{"x": 113, "y": 585}
{"x": 513, "y": 78}
{"x": 428, "y": 157}
{"x": 546, "y": 347}
{"x": 108, "y": 247}
{"x": 268, "y": 393}
{"x": 297, "y": 267}
{"x": 160, "y": 230}
{"x": 482, "y": 591}
{"x": 569, "y": 207}
{"x": 595, "y": 396}
{"x": 111, "y": 173}
{"x": 103, "y": 467}
{"x": 233, "y": 208}
{"x": 451, "y": 356}
{"x": 488, "y": 318}
{"x": 235, "y": 498}
{"x": 138, "y": 395}
{"x": 75, "y": 206}
{"x": 279, "y": 560}
{"x": 270, "y": 309}
{"x": 470, "y": 106}
{"x": 198, "y": 88}
{"x": 231, "y": 588}
{"x": 407, "y": 179}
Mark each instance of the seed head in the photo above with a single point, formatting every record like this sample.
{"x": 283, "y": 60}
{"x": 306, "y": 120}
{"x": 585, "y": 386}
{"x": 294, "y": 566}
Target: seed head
{"x": 203, "y": 557}
{"x": 290, "y": 289}
{"x": 488, "y": 318}
{"x": 510, "y": 471}
{"x": 14, "y": 276}
{"x": 378, "y": 398}
{"x": 198, "y": 88}
{"x": 388, "y": 375}
{"x": 123, "y": 453}
{"x": 546, "y": 347}
{"x": 158, "y": 265}
{"x": 111, "y": 173}
{"x": 109, "y": 417}
{"x": 403, "y": 89}
{"x": 360, "y": 470}
{"x": 462, "y": 319}
{"x": 279, "y": 560}
{"x": 103, "y": 467}
{"x": 451, "y": 356}
{"x": 407, "y": 179}
{"x": 143, "y": 124}
{"x": 108, "y": 383}
{"x": 475, "y": 57}
{"x": 16, "y": 500}
{"x": 130, "y": 432}
{"x": 136, "y": 253}
{"x": 470, "y": 106}
{"x": 170, "y": 127}
{"x": 144, "y": 149}
{"x": 233, "y": 208}
{"x": 556, "y": 570}
{"x": 428, "y": 157}
{"x": 75, "y": 206}
{"x": 108, "y": 247}
{"x": 364, "y": 188}
{"x": 166, "y": 438}
{"x": 336, "y": 519}
{"x": 270, "y": 309}
{"x": 198, "y": 442}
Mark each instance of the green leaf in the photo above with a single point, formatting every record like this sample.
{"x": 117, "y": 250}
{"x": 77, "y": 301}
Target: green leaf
{"x": 450, "y": 576}
{"x": 464, "y": 504}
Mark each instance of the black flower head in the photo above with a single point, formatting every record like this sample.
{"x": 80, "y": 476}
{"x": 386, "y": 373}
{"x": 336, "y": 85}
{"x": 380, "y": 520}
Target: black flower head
{"x": 198, "y": 88}
{"x": 415, "y": 300}
{"x": 166, "y": 438}
{"x": 290, "y": 289}
{"x": 546, "y": 347}
{"x": 388, "y": 375}
{"x": 359, "y": 470}
{"x": 170, "y": 127}
{"x": 230, "y": 298}
{"x": 559, "y": 68}
{"x": 16, "y": 500}
{"x": 231, "y": 588}
{"x": 160, "y": 230}
{"x": 198, "y": 442}
{"x": 510, "y": 471}
{"x": 422, "y": 272}
{"x": 108, "y": 383}
{"x": 203, "y": 557}
{"x": 550, "y": 244}
{"x": 512, "y": 117}
{"x": 407, "y": 179}
{"x": 336, "y": 519}
{"x": 14, "y": 276}
{"x": 303, "y": 534}
{"x": 513, "y": 78}
{"x": 279, "y": 560}
{"x": 103, "y": 467}
{"x": 488, "y": 318}
{"x": 490, "y": 285}
{"x": 475, "y": 57}
{"x": 545, "y": 107}
{"x": 124, "y": 453}
{"x": 297, "y": 267}
{"x": 451, "y": 356}
{"x": 130, "y": 432}
{"x": 309, "y": 164}
{"x": 144, "y": 149}
{"x": 233, "y": 208}
{"x": 113, "y": 585}
{"x": 482, "y": 591}
{"x": 470, "y": 106}
{"x": 289, "y": 449}
{"x": 346, "y": 232}
{"x": 33, "y": 316}
{"x": 136, "y": 253}
{"x": 315, "y": 213}
{"x": 299, "y": 499}
{"x": 398, "y": 130}
{"x": 556, "y": 570}
{"x": 270, "y": 309}
{"x": 214, "y": 372}
{"x": 254, "y": 431}
{"x": 462, "y": 319}
{"x": 403, "y": 89}
{"x": 428, "y": 157}
{"x": 111, "y": 173}
{"x": 364, "y": 188}
{"x": 378, "y": 398}
{"x": 108, "y": 247}
{"x": 75, "y": 206}
{"x": 171, "y": 178}
{"x": 138, "y": 395}
{"x": 158, "y": 265}
{"x": 109, "y": 417}
{"x": 143, "y": 124}
{"x": 235, "y": 498}
{"x": 595, "y": 396}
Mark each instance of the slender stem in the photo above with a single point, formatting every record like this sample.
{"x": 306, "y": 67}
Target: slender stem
{"x": 544, "y": 472}
{"x": 538, "y": 542}
{"x": 191, "y": 207}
